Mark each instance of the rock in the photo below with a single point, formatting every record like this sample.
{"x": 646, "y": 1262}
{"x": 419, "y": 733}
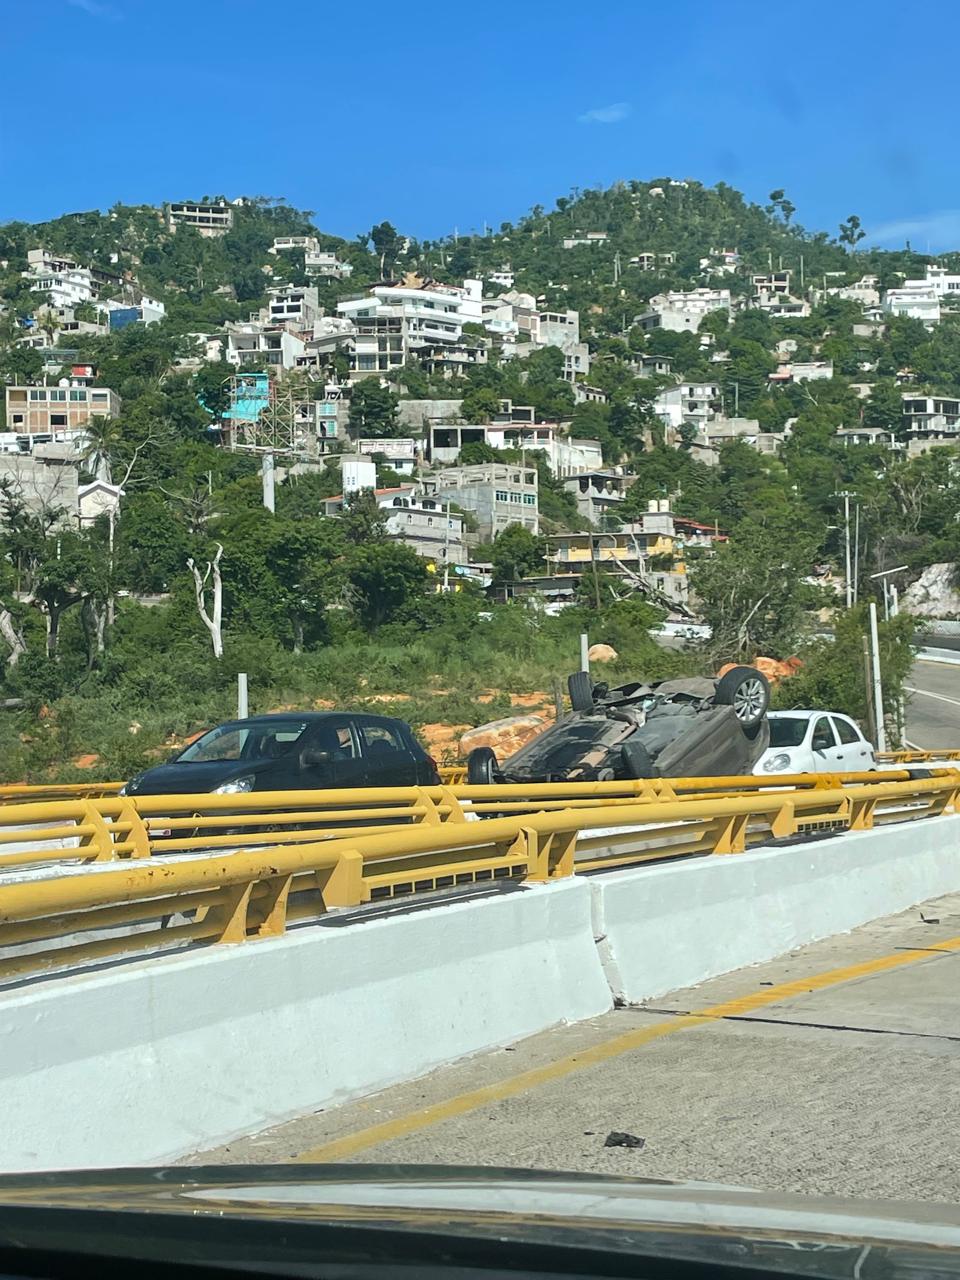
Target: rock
{"x": 441, "y": 740}
{"x": 85, "y": 762}
{"x": 772, "y": 668}
{"x": 504, "y": 736}
{"x": 935, "y": 594}
{"x": 602, "y": 653}
{"x": 616, "y": 1139}
{"x": 135, "y": 726}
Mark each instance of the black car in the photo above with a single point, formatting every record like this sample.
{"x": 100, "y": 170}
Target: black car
{"x": 692, "y": 727}
{"x": 298, "y": 751}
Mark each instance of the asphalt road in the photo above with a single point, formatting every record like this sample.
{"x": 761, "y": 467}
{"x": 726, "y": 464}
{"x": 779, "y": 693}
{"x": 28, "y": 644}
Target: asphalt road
{"x": 933, "y": 705}
{"x": 849, "y": 1086}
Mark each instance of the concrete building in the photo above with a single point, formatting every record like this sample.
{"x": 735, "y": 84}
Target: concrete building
{"x": 324, "y": 264}
{"x": 209, "y": 217}
{"x": 144, "y": 310}
{"x": 47, "y": 413}
{"x": 869, "y": 436}
{"x": 598, "y": 493}
{"x": 293, "y": 244}
{"x": 419, "y": 520}
{"x": 498, "y": 494}
{"x": 932, "y": 419}
{"x": 504, "y": 278}
{"x": 772, "y": 284}
{"x": 680, "y": 310}
{"x": 865, "y": 292}
{"x": 97, "y": 499}
{"x": 803, "y": 371}
{"x": 395, "y": 323}
{"x": 695, "y": 402}
{"x": 402, "y": 456}
{"x": 720, "y": 262}
{"x": 916, "y": 299}
{"x": 255, "y": 345}
{"x": 650, "y": 366}
{"x": 563, "y": 455}
{"x": 45, "y": 486}
{"x": 585, "y": 237}
{"x": 65, "y": 282}
{"x": 291, "y": 304}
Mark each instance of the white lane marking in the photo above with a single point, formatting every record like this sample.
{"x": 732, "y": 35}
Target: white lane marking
{"x": 940, "y": 697}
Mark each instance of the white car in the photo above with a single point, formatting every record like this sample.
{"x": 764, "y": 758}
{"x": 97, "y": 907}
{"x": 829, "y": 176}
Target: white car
{"x": 815, "y": 742}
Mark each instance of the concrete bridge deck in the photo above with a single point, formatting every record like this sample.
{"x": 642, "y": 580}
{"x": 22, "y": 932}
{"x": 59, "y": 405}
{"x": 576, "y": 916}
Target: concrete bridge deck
{"x": 833, "y": 1069}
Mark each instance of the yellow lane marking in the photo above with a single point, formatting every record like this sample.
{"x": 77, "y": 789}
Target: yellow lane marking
{"x": 400, "y": 1126}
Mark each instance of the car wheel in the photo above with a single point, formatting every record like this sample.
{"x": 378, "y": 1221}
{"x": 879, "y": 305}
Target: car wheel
{"x": 481, "y": 767}
{"x": 637, "y": 760}
{"x": 580, "y": 688}
{"x": 747, "y": 692}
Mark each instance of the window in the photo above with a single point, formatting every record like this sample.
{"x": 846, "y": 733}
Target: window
{"x": 38, "y": 393}
{"x": 79, "y": 396}
{"x": 845, "y": 730}
{"x": 516, "y": 497}
{"x": 17, "y": 418}
{"x": 99, "y": 397}
{"x": 823, "y": 738}
{"x": 530, "y": 499}
{"x": 58, "y": 419}
{"x": 58, "y": 394}
{"x": 379, "y": 740}
{"x": 502, "y": 495}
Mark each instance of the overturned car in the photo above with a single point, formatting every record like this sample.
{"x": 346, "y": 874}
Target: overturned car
{"x": 691, "y": 727}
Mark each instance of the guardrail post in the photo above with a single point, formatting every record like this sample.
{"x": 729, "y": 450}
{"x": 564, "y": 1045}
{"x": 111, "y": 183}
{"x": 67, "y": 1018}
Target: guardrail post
{"x": 274, "y": 921}
{"x": 549, "y": 855}
{"x": 231, "y": 914}
{"x": 944, "y": 801}
{"x": 861, "y": 814}
{"x": 785, "y": 821}
{"x": 732, "y": 834}
{"x": 455, "y": 811}
{"x": 342, "y": 885}
{"x": 100, "y": 842}
{"x": 138, "y": 835}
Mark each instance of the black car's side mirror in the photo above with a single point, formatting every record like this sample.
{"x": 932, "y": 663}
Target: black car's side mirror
{"x": 312, "y": 758}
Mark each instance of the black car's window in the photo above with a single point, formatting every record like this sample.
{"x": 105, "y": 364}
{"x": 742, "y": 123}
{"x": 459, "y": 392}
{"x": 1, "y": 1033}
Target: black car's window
{"x": 846, "y": 730}
{"x": 251, "y": 741}
{"x": 334, "y": 738}
{"x": 380, "y": 740}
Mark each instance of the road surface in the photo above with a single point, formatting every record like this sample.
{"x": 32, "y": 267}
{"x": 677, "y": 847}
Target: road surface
{"x": 933, "y": 705}
{"x": 835, "y": 1069}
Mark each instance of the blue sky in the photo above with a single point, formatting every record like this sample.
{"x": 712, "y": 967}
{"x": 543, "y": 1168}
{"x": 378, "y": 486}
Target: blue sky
{"x": 443, "y": 115}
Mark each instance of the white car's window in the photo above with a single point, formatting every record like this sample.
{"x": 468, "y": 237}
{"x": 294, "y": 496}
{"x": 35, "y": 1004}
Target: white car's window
{"x": 788, "y": 731}
{"x": 823, "y": 737}
{"x": 845, "y": 730}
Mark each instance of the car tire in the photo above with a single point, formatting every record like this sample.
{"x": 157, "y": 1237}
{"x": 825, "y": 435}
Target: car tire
{"x": 580, "y": 688}
{"x": 481, "y": 767}
{"x": 747, "y": 691}
{"x": 637, "y": 761}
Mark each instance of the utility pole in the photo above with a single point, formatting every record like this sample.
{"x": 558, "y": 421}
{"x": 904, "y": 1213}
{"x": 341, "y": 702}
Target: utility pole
{"x": 801, "y": 271}
{"x": 446, "y": 553}
{"x": 877, "y": 687}
{"x": 267, "y": 476}
{"x": 846, "y": 495}
{"x": 856, "y": 553}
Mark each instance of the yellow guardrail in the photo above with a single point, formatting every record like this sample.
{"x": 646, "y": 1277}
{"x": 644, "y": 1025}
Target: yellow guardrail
{"x": 918, "y": 757}
{"x": 132, "y": 907}
{"x": 103, "y": 828}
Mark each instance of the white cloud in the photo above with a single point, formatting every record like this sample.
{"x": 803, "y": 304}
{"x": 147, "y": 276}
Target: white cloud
{"x": 613, "y": 114}
{"x": 941, "y": 229}
{"x": 94, "y": 8}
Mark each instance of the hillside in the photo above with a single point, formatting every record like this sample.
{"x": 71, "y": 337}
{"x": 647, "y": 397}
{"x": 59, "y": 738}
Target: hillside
{"x": 313, "y": 605}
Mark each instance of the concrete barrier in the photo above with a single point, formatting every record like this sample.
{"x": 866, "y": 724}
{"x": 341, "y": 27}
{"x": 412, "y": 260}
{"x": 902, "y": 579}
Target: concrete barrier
{"x": 663, "y": 927}
{"x": 149, "y": 1061}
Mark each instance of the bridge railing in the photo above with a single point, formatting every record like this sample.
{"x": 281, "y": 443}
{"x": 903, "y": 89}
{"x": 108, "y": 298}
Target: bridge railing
{"x": 98, "y": 829}
{"x": 129, "y": 908}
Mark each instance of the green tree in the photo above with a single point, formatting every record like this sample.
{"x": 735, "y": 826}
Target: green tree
{"x": 383, "y": 578}
{"x": 386, "y": 243}
{"x": 373, "y": 410}
{"x": 750, "y": 592}
{"x": 480, "y": 404}
{"x": 516, "y": 553}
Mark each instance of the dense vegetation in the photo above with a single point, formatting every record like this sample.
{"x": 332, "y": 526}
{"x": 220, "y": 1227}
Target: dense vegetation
{"x": 328, "y": 609}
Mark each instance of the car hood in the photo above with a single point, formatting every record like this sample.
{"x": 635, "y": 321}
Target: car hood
{"x": 180, "y": 779}
{"x": 818, "y": 1236}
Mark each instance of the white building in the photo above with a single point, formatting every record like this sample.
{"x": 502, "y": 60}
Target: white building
{"x": 208, "y": 217}
{"x": 865, "y": 292}
{"x": 400, "y": 455}
{"x": 287, "y": 244}
{"x": 720, "y": 262}
{"x": 256, "y": 346}
{"x": 65, "y": 282}
{"x": 97, "y": 499}
{"x": 680, "y": 310}
{"x": 292, "y": 304}
{"x": 504, "y": 278}
{"x": 916, "y": 299}
{"x": 943, "y": 282}
{"x": 932, "y": 418}
{"x": 695, "y": 402}
{"x": 394, "y": 323}
{"x": 598, "y": 493}
{"x": 563, "y": 455}
{"x": 585, "y": 237}
{"x": 498, "y": 493}
{"x": 325, "y": 264}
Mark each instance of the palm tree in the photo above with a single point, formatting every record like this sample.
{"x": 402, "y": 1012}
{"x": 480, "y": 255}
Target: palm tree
{"x": 103, "y": 438}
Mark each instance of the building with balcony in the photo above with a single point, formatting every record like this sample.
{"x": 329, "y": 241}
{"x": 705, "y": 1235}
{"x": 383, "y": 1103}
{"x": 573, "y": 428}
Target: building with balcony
{"x": 40, "y": 414}
{"x": 498, "y": 494}
{"x": 585, "y": 237}
{"x": 396, "y": 323}
{"x": 563, "y": 455}
{"x": 292, "y": 304}
{"x": 255, "y": 345}
{"x": 695, "y": 402}
{"x": 931, "y": 419}
{"x": 680, "y": 310}
{"x": 208, "y": 217}
{"x": 916, "y": 299}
